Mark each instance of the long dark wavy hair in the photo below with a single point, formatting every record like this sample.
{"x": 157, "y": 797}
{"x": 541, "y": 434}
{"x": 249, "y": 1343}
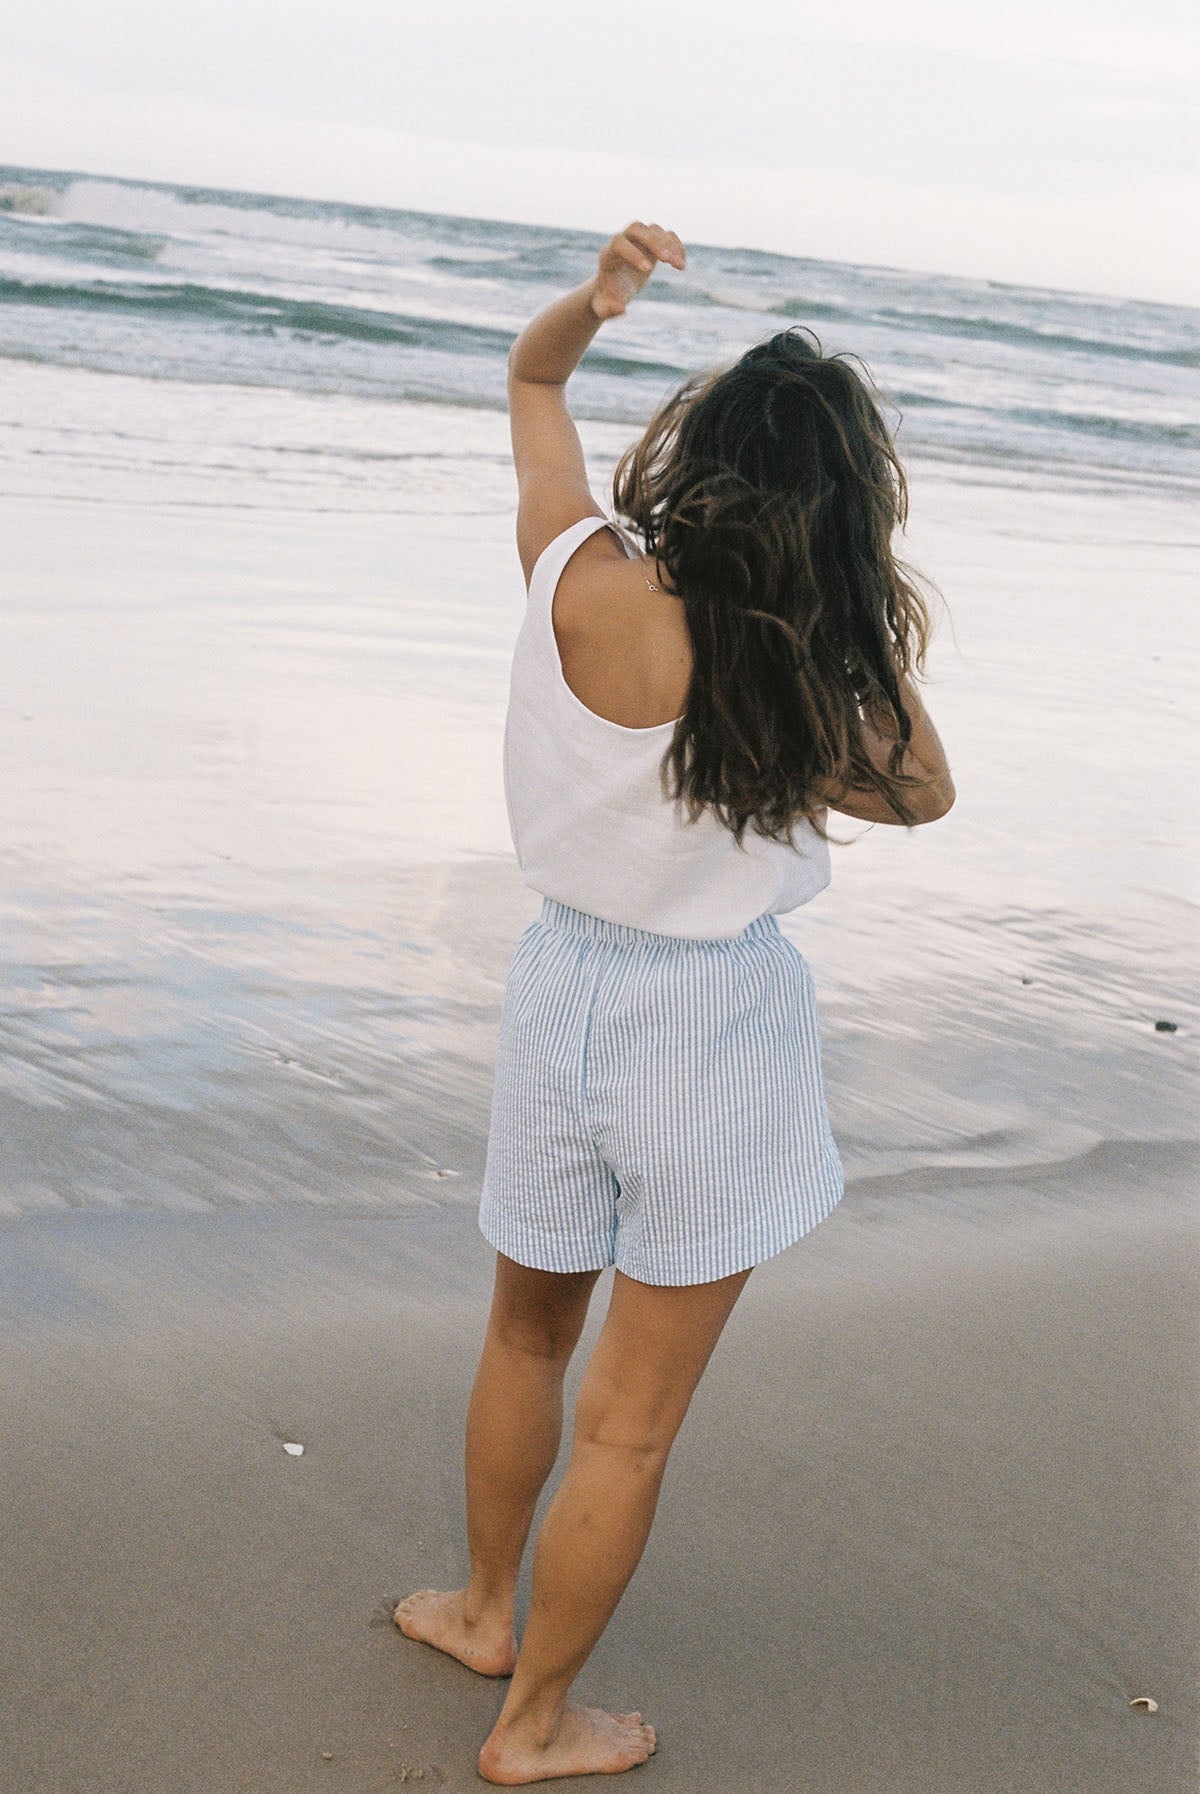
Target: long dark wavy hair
{"x": 769, "y": 493}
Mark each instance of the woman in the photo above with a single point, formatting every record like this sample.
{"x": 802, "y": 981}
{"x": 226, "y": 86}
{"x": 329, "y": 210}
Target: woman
{"x": 684, "y": 712}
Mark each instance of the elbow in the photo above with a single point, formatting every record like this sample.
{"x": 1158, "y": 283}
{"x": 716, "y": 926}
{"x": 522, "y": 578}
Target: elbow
{"x": 516, "y": 355}
{"x": 937, "y": 800}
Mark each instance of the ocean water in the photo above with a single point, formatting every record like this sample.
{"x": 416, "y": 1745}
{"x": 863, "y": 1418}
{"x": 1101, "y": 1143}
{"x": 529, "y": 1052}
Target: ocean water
{"x": 181, "y": 284}
{"x": 257, "y": 603}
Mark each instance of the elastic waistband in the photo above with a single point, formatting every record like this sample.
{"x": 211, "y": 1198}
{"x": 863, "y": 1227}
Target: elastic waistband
{"x": 579, "y": 922}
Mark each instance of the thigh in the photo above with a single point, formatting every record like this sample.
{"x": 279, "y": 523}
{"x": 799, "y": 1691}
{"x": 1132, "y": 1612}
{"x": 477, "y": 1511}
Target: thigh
{"x": 540, "y": 1312}
{"x": 651, "y": 1353}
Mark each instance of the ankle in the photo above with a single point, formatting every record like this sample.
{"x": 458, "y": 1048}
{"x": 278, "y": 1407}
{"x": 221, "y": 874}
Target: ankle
{"x": 532, "y": 1722}
{"x": 488, "y": 1604}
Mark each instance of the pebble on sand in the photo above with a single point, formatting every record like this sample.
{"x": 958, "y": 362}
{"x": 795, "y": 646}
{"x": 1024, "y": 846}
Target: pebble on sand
{"x": 1166, "y": 1027}
{"x": 293, "y": 1450}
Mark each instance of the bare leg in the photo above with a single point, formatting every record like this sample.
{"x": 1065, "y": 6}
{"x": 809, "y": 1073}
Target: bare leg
{"x": 514, "y": 1425}
{"x": 635, "y": 1393}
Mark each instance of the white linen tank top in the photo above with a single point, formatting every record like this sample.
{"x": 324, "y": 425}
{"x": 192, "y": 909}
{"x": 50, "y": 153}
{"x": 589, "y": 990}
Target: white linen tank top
{"x": 589, "y": 820}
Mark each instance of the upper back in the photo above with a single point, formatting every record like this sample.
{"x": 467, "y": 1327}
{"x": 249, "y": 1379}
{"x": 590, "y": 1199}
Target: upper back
{"x": 624, "y": 647}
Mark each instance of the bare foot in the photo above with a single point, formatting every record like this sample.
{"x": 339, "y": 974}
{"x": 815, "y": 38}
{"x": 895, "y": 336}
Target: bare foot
{"x": 485, "y": 1645}
{"x": 589, "y": 1741}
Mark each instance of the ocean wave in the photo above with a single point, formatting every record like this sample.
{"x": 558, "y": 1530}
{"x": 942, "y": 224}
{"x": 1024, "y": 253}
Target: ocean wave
{"x": 817, "y": 310}
{"x": 1153, "y": 432}
{"x": 100, "y": 245}
{"x": 257, "y": 313}
{"x": 533, "y": 264}
{"x": 1005, "y": 330}
{"x": 1007, "y": 426}
{"x": 191, "y": 213}
{"x": 529, "y": 252}
{"x": 267, "y": 314}
{"x": 34, "y": 202}
{"x": 505, "y": 265}
{"x": 863, "y": 313}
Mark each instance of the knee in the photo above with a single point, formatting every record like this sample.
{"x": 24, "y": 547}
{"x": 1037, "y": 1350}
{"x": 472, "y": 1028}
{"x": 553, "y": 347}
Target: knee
{"x": 641, "y": 1433}
{"x": 534, "y": 1336}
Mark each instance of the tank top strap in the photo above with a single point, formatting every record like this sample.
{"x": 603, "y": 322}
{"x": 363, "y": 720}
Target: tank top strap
{"x": 628, "y": 540}
{"x": 549, "y": 565}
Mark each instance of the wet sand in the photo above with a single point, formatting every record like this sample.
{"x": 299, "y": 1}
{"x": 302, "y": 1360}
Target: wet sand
{"x": 930, "y": 1526}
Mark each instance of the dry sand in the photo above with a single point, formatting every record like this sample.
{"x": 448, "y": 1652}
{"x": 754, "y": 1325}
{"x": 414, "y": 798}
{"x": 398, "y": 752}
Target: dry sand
{"x": 928, "y": 1530}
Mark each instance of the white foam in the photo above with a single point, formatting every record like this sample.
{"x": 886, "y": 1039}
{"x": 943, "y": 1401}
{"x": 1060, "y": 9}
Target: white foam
{"x": 127, "y": 206}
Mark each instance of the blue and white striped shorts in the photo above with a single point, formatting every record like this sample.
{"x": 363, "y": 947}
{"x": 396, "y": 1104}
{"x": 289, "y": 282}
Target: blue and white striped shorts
{"x": 658, "y": 1102}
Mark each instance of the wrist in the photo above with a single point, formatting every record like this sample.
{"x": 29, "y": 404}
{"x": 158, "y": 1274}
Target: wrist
{"x": 591, "y": 290}
{"x": 549, "y": 349}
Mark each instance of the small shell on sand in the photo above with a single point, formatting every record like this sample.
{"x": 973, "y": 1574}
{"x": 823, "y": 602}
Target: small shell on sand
{"x": 293, "y": 1450}
{"x": 1145, "y": 1703}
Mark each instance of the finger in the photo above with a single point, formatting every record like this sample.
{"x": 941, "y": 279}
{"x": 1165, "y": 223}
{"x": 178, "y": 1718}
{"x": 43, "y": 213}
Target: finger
{"x": 664, "y": 245}
{"x": 671, "y": 249}
{"x": 642, "y": 236}
{"x": 679, "y": 255}
{"x": 634, "y": 253}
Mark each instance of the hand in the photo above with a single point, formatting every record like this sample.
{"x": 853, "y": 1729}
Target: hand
{"x": 628, "y": 261}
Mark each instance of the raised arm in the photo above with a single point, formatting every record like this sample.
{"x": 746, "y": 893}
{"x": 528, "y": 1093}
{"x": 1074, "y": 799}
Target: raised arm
{"x": 551, "y": 476}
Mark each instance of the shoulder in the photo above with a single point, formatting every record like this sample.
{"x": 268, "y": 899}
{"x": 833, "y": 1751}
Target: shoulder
{"x": 604, "y": 590}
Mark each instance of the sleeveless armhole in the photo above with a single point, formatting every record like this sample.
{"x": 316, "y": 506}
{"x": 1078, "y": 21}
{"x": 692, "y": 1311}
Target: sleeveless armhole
{"x": 558, "y": 551}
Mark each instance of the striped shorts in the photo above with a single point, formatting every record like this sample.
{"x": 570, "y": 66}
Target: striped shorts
{"x": 658, "y": 1102}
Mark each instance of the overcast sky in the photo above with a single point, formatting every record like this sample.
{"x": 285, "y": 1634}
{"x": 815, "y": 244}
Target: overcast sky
{"x": 1046, "y": 141}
